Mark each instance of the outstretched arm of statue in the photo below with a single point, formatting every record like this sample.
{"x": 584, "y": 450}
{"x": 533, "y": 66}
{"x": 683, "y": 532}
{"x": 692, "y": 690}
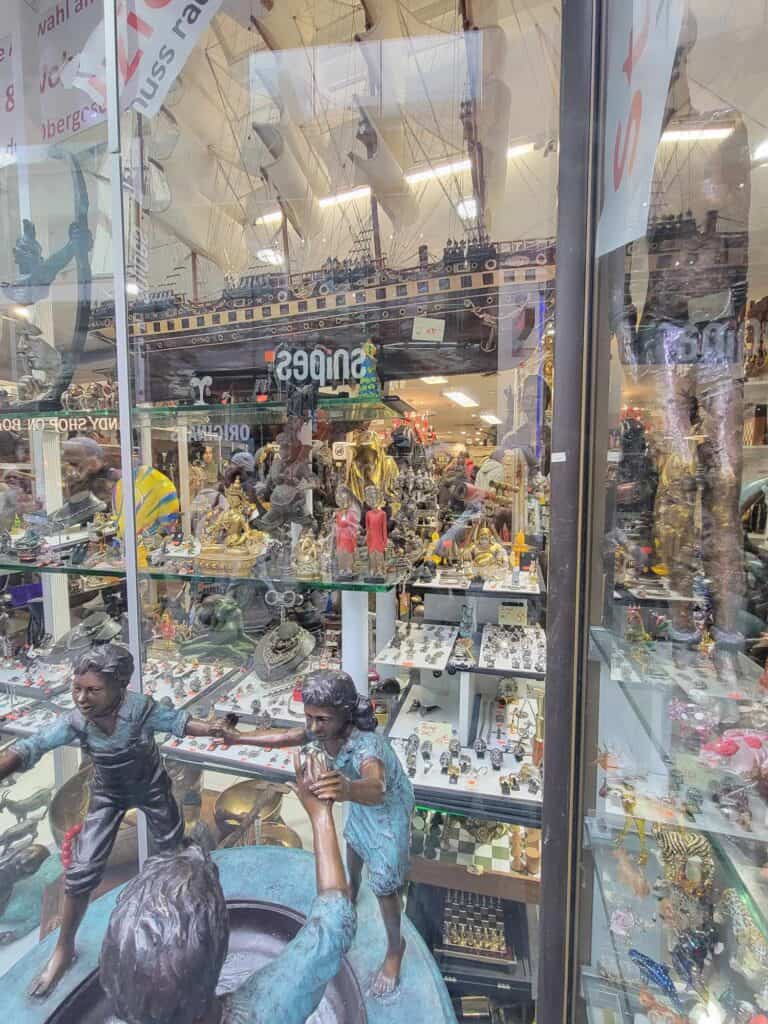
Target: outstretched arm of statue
{"x": 263, "y": 738}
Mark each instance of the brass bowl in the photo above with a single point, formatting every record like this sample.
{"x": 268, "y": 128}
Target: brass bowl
{"x": 68, "y": 808}
{"x": 274, "y": 833}
{"x": 236, "y": 801}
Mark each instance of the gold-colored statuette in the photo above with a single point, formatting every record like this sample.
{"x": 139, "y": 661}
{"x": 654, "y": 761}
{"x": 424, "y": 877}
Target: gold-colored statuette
{"x": 229, "y": 545}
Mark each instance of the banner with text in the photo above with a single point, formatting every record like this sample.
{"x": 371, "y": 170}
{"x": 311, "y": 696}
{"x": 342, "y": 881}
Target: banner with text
{"x": 642, "y": 40}
{"x": 154, "y": 40}
{"x": 58, "y": 53}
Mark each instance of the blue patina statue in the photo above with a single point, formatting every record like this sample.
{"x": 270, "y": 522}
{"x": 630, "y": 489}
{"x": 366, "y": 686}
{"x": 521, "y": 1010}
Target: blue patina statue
{"x": 116, "y": 727}
{"x": 167, "y": 939}
{"x": 363, "y": 770}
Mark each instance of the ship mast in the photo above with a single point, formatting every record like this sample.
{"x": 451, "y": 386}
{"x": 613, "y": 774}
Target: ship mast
{"x": 469, "y": 119}
{"x": 367, "y": 135}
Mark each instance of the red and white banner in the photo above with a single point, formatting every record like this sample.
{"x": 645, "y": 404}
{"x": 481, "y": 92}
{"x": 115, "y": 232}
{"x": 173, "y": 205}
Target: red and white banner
{"x": 154, "y": 40}
{"x": 641, "y": 43}
{"x": 59, "y": 52}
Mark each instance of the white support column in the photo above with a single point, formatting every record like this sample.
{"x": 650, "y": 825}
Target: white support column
{"x": 46, "y": 467}
{"x": 386, "y": 614}
{"x": 354, "y": 641}
{"x": 466, "y": 697}
{"x": 182, "y": 449}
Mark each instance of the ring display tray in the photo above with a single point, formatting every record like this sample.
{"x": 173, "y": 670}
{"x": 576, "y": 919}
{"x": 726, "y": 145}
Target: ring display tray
{"x": 35, "y": 679}
{"x": 419, "y": 645}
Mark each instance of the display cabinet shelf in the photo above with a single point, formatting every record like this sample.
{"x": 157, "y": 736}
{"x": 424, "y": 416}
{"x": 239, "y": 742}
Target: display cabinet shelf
{"x": 349, "y": 410}
{"x": 528, "y": 589}
{"x": 731, "y": 676}
{"x": 9, "y": 566}
{"x": 60, "y": 420}
{"x": 501, "y": 884}
{"x": 355, "y": 585}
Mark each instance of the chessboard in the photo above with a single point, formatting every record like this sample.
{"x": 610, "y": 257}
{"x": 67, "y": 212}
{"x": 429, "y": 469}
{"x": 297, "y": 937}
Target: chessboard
{"x": 457, "y": 846}
{"x": 474, "y": 927}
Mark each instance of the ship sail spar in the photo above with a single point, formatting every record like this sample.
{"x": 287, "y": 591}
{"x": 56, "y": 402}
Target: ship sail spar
{"x": 486, "y": 111}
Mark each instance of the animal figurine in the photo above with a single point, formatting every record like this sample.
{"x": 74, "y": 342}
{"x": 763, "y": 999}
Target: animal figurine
{"x": 14, "y": 866}
{"x": 677, "y": 847}
{"x": 653, "y": 971}
{"x": 658, "y": 1012}
{"x": 21, "y": 808}
{"x": 17, "y": 833}
{"x": 750, "y": 957}
{"x": 631, "y": 875}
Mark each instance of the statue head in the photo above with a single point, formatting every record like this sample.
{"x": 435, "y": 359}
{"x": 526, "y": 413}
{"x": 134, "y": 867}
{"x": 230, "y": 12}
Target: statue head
{"x": 166, "y": 941}
{"x": 332, "y": 703}
{"x": 82, "y": 460}
{"x": 102, "y": 673}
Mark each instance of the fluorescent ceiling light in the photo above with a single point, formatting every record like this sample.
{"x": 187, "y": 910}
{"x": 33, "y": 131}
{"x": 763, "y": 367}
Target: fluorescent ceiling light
{"x": 461, "y": 399}
{"x": 696, "y": 134}
{"x": 467, "y": 208}
{"x": 435, "y": 380}
{"x": 459, "y": 166}
{"x": 131, "y": 288}
{"x": 345, "y": 197}
{"x": 271, "y": 256}
{"x": 490, "y": 418}
{"x": 275, "y": 217}
{"x": 439, "y": 171}
{"x": 761, "y": 153}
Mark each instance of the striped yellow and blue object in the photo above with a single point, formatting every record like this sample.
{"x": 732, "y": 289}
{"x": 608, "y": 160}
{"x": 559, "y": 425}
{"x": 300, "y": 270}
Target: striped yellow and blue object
{"x": 157, "y": 503}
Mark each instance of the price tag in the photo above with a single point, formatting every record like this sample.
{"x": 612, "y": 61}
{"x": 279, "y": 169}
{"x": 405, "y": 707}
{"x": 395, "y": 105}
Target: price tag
{"x": 513, "y": 613}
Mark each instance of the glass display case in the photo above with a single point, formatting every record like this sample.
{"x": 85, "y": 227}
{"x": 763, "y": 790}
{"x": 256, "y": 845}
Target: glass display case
{"x": 671, "y": 919}
{"x": 291, "y": 411}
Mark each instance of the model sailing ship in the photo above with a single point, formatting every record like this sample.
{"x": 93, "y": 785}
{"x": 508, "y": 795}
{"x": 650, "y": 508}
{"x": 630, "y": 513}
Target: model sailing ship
{"x": 460, "y": 303}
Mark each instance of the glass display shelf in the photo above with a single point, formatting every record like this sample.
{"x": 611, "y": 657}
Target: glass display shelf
{"x": 328, "y": 583}
{"x": 8, "y": 566}
{"x": 475, "y": 791}
{"x": 727, "y": 675}
{"x": 629, "y": 893}
{"x": 118, "y": 572}
{"x": 60, "y": 420}
{"x": 337, "y": 409}
{"x": 528, "y": 588}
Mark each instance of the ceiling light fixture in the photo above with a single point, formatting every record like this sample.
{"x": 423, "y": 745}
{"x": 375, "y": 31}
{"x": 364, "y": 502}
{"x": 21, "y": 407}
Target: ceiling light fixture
{"x": 761, "y": 153}
{"x": 270, "y": 256}
{"x": 696, "y": 134}
{"x": 439, "y": 171}
{"x": 435, "y": 380}
{"x": 132, "y": 288}
{"x": 461, "y": 399}
{"x": 467, "y": 208}
{"x": 460, "y": 166}
{"x": 345, "y": 197}
{"x": 489, "y": 418}
{"x": 275, "y": 217}
{"x": 23, "y": 312}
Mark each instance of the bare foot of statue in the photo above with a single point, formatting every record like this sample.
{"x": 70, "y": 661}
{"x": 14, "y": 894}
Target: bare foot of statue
{"x": 60, "y": 962}
{"x": 387, "y": 977}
